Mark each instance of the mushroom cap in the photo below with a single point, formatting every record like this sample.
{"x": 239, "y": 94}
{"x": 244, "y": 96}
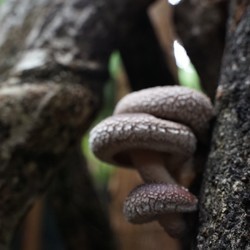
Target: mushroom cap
{"x": 175, "y": 103}
{"x": 116, "y": 137}
{"x": 149, "y": 201}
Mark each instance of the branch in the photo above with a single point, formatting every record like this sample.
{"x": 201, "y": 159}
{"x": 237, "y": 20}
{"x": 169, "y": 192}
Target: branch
{"x": 143, "y": 57}
{"x": 201, "y": 26}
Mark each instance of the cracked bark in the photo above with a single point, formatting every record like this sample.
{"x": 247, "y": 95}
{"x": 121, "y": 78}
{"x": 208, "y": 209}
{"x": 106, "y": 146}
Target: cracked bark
{"x": 225, "y": 194}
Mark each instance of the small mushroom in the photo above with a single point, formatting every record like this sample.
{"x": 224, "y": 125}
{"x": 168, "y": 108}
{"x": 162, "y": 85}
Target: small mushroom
{"x": 161, "y": 202}
{"x": 143, "y": 141}
{"x": 175, "y": 103}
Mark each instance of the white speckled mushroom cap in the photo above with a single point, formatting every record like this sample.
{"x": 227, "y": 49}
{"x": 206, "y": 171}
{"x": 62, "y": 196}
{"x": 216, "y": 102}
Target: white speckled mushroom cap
{"x": 176, "y": 103}
{"x": 147, "y": 201}
{"x": 115, "y": 137}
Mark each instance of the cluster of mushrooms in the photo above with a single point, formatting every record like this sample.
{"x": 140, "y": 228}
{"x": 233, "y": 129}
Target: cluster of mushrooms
{"x": 156, "y": 131}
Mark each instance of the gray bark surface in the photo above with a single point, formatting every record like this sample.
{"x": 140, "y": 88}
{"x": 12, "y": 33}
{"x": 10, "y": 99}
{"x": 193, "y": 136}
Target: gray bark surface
{"x": 225, "y": 194}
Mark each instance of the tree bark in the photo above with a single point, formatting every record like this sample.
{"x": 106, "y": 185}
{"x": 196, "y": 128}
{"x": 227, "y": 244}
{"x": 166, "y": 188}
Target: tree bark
{"x": 38, "y": 123}
{"x": 225, "y": 194}
{"x": 53, "y": 65}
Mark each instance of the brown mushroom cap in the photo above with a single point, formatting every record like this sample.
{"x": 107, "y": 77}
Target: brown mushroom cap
{"x": 147, "y": 202}
{"x": 116, "y": 137}
{"x": 175, "y": 103}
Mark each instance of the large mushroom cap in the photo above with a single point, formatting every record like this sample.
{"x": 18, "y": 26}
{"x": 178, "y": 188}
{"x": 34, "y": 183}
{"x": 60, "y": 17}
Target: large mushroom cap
{"x": 149, "y": 201}
{"x": 176, "y": 103}
{"x": 114, "y": 138}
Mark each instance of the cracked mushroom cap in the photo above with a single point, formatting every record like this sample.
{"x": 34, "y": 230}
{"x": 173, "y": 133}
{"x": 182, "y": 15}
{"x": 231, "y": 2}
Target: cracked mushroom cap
{"x": 113, "y": 139}
{"x": 149, "y": 201}
{"x": 176, "y": 103}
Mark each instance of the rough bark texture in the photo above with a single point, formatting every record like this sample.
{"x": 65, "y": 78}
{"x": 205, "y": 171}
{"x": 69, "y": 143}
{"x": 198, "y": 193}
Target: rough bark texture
{"x": 201, "y": 27}
{"x": 77, "y": 35}
{"x": 38, "y": 123}
{"x": 225, "y": 195}
{"x": 53, "y": 65}
{"x": 46, "y": 100}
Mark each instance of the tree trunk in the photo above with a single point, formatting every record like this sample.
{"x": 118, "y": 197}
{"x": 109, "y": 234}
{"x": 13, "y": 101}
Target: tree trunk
{"x": 225, "y": 194}
{"x": 49, "y": 49}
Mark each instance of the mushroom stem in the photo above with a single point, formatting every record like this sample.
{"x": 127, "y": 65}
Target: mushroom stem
{"x": 150, "y": 165}
{"x": 173, "y": 224}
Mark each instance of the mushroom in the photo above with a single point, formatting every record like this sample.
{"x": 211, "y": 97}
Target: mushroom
{"x": 148, "y": 202}
{"x": 148, "y": 144}
{"x": 175, "y": 103}
{"x": 179, "y": 104}
{"x": 140, "y": 135}
{"x": 143, "y": 141}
